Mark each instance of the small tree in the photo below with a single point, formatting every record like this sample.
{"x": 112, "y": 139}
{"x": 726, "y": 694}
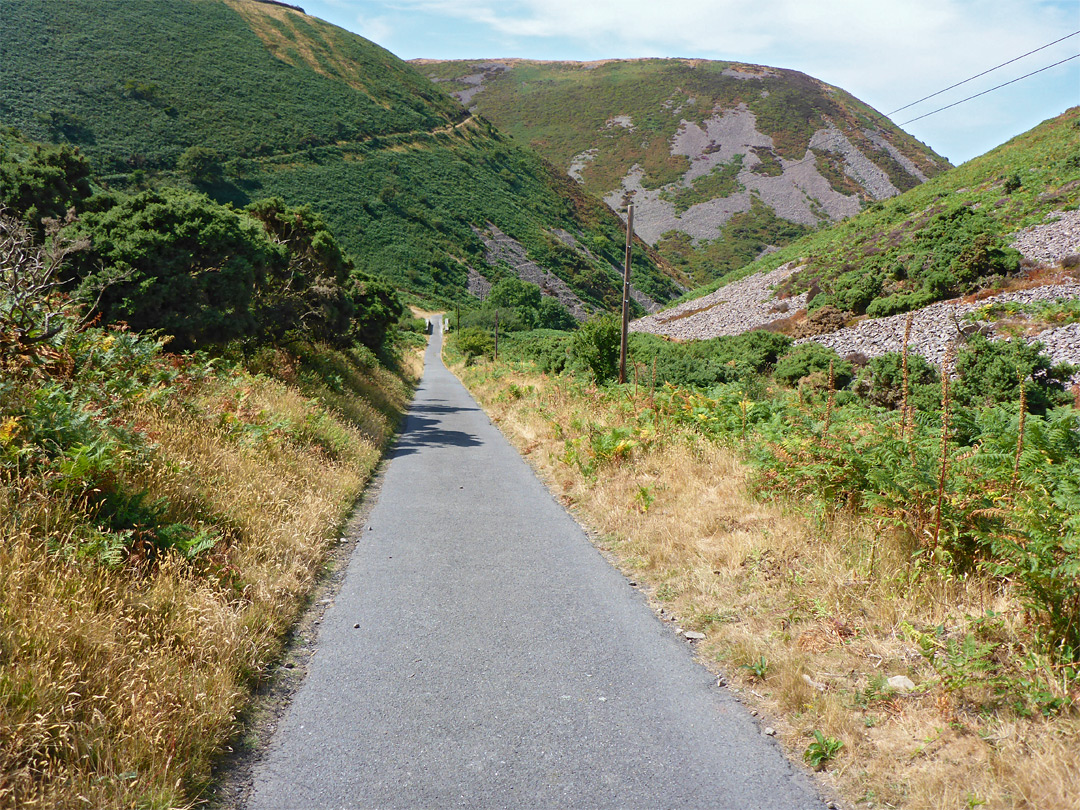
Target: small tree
{"x": 552, "y": 314}
{"x": 521, "y": 296}
{"x": 596, "y": 344}
{"x": 30, "y": 313}
{"x": 201, "y": 165}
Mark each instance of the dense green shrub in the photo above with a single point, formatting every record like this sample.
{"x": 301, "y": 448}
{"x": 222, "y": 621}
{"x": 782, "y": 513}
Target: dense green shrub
{"x": 473, "y": 342}
{"x": 201, "y": 165}
{"x": 853, "y": 291}
{"x": 306, "y": 289}
{"x": 549, "y": 349}
{"x": 806, "y": 358}
{"x": 177, "y": 262}
{"x": 882, "y": 382}
{"x": 375, "y": 308}
{"x": 596, "y": 345}
{"x": 553, "y": 314}
{"x": 992, "y": 371}
{"x": 899, "y": 302}
{"x": 39, "y": 182}
{"x": 517, "y": 295}
{"x": 704, "y": 363}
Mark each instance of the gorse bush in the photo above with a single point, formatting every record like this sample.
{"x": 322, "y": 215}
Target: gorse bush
{"x": 807, "y": 358}
{"x": 41, "y": 182}
{"x": 205, "y": 274}
{"x": 996, "y": 370}
{"x": 174, "y": 261}
{"x": 474, "y": 342}
{"x": 596, "y": 346}
{"x": 882, "y": 382}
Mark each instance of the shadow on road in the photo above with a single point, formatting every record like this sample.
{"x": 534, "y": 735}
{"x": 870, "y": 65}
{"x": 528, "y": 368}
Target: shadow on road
{"x": 424, "y": 428}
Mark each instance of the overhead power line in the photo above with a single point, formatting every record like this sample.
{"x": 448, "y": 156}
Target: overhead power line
{"x": 991, "y": 90}
{"x": 978, "y": 75}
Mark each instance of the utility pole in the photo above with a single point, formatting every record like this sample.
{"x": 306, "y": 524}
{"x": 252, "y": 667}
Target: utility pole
{"x": 496, "y": 334}
{"x": 626, "y": 292}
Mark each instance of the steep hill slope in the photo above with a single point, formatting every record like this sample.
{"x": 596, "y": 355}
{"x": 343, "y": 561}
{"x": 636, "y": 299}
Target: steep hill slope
{"x": 247, "y": 100}
{"x": 999, "y": 236}
{"x": 721, "y": 159}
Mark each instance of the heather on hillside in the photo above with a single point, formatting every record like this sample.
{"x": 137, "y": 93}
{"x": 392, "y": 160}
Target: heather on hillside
{"x": 244, "y": 101}
{"x": 946, "y": 238}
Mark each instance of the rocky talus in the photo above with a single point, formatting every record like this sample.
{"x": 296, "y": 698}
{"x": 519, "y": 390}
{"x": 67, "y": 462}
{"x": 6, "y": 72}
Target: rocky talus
{"x": 936, "y": 330}
{"x": 738, "y": 307}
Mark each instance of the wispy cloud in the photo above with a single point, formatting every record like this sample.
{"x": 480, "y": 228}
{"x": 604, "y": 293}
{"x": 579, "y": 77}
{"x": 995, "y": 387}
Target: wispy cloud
{"x": 896, "y": 44}
{"x": 377, "y": 29}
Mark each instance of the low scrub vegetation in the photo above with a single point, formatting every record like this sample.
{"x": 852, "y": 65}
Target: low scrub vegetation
{"x": 946, "y": 238}
{"x": 278, "y": 104}
{"x": 163, "y": 516}
{"x": 831, "y": 527}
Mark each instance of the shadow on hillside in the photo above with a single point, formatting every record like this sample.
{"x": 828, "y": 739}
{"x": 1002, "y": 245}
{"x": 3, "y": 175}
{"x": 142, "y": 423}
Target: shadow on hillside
{"x": 424, "y": 429}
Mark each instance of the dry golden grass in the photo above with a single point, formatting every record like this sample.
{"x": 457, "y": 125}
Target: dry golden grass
{"x": 823, "y": 605}
{"x": 119, "y": 687}
{"x": 315, "y": 54}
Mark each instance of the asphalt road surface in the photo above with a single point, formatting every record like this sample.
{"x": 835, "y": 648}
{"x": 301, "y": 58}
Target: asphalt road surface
{"x": 499, "y": 660}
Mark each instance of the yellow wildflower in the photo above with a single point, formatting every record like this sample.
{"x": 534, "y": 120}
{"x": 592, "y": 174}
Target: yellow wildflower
{"x": 8, "y": 430}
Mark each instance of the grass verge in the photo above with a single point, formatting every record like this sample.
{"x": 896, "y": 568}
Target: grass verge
{"x": 162, "y": 522}
{"x": 813, "y": 618}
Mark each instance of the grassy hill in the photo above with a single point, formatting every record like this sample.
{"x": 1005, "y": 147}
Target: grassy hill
{"x": 944, "y": 238}
{"x": 721, "y": 159}
{"x": 246, "y": 100}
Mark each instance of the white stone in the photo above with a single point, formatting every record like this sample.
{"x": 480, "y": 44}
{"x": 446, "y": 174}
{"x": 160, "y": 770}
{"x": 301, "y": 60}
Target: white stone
{"x": 901, "y": 683}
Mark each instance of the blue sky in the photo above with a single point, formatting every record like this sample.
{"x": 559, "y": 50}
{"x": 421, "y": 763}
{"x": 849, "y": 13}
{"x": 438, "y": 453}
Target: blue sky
{"x": 887, "y": 53}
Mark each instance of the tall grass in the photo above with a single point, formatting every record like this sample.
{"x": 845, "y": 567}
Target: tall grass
{"x": 127, "y": 648}
{"x": 808, "y": 561}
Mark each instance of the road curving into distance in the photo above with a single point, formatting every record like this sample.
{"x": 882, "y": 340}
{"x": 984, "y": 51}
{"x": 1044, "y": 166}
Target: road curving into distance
{"x": 482, "y": 653}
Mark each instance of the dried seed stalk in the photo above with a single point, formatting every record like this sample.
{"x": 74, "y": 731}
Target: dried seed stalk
{"x": 904, "y": 407}
{"x": 1019, "y": 436}
{"x": 829, "y": 404}
{"x": 944, "y": 456}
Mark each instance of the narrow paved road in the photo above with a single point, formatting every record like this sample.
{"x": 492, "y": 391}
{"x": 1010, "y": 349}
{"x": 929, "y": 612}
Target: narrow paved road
{"x": 500, "y": 661}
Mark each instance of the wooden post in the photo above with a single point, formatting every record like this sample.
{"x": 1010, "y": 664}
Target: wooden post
{"x": 496, "y": 335}
{"x": 626, "y": 292}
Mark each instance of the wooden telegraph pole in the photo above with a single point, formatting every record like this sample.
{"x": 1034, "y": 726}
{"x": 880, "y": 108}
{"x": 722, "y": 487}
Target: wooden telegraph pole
{"x": 626, "y": 292}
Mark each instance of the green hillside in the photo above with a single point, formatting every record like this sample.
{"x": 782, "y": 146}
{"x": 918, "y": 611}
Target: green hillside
{"x": 245, "y": 100}
{"x": 945, "y": 238}
{"x": 722, "y": 159}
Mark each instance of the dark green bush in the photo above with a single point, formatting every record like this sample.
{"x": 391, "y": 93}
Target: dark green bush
{"x": 549, "y": 349}
{"x": 517, "y": 295}
{"x": 898, "y": 303}
{"x": 806, "y": 358}
{"x": 596, "y": 345}
{"x": 375, "y": 308}
{"x": 992, "y": 371}
{"x": 306, "y": 289}
{"x": 474, "y": 342}
{"x": 39, "y": 182}
{"x": 201, "y": 165}
{"x": 552, "y": 314}
{"x": 177, "y": 262}
{"x": 882, "y": 383}
{"x": 853, "y": 291}
{"x": 705, "y": 363}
